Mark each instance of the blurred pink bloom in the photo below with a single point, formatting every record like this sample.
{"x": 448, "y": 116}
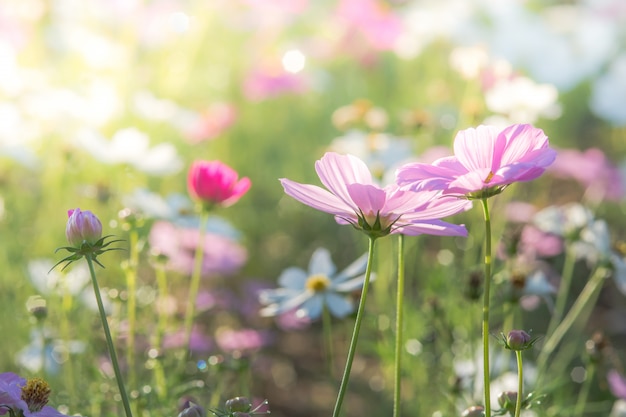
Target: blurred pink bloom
{"x": 211, "y": 123}
{"x": 535, "y": 242}
{"x": 199, "y": 342}
{"x": 617, "y": 384}
{"x": 519, "y": 212}
{"x": 267, "y": 82}
{"x": 291, "y": 320}
{"x": 593, "y": 170}
{"x": 355, "y": 199}
{"x": 82, "y": 226}
{"x": 230, "y": 340}
{"x": 222, "y": 255}
{"x": 213, "y": 182}
{"x": 485, "y": 161}
{"x": 370, "y": 21}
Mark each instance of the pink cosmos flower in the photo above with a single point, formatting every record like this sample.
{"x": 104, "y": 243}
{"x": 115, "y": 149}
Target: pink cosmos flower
{"x": 82, "y": 226}
{"x": 485, "y": 161}
{"x": 354, "y": 198}
{"x": 211, "y": 123}
{"x": 214, "y": 182}
{"x": 593, "y": 170}
{"x": 222, "y": 255}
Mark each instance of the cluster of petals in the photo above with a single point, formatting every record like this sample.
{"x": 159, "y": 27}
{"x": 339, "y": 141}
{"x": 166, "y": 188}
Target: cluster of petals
{"x": 353, "y": 197}
{"x": 14, "y": 401}
{"x": 214, "y": 182}
{"x": 82, "y": 226}
{"x": 486, "y": 160}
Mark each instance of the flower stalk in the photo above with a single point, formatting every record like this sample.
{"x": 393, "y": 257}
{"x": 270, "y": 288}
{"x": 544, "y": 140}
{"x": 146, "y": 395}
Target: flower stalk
{"x": 355, "y": 334}
{"x": 399, "y": 329}
{"x": 194, "y": 285}
{"x": 486, "y": 295}
{"x": 109, "y": 339}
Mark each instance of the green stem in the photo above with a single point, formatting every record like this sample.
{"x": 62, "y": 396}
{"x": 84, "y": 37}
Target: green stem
{"x": 161, "y": 326}
{"x": 584, "y": 391}
{"x": 486, "y": 306}
{"x": 328, "y": 338}
{"x": 109, "y": 339}
{"x": 399, "y": 328}
{"x": 194, "y": 285}
{"x": 131, "y": 285}
{"x": 355, "y": 333}
{"x": 588, "y": 295}
{"x": 520, "y": 383}
{"x": 564, "y": 287}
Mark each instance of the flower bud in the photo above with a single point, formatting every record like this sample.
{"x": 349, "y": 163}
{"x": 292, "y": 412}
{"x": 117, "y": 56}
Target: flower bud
{"x": 82, "y": 226}
{"x": 474, "y": 411}
{"x": 238, "y": 404}
{"x": 215, "y": 183}
{"x": 518, "y": 340}
{"x": 508, "y": 400}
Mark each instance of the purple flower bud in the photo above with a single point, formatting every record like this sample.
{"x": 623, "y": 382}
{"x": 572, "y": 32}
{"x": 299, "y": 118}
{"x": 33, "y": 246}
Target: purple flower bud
{"x": 518, "y": 340}
{"x": 82, "y": 226}
{"x": 238, "y": 404}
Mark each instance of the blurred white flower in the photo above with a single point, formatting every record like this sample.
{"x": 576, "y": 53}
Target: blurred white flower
{"x": 608, "y": 92}
{"x": 72, "y": 281}
{"x": 522, "y": 100}
{"x": 131, "y": 146}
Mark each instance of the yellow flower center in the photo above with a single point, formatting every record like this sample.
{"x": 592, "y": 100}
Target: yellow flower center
{"x": 317, "y": 283}
{"x": 35, "y": 394}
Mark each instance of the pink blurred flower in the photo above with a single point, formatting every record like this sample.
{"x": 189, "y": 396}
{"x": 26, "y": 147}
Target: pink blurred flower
{"x": 222, "y": 255}
{"x": 82, "y": 226}
{"x": 243, "y": 340}
{"x": 485, "y": 161}
{"x": 535, "y": 242}
{"x": 354, "y": 198}
{"x": 198, "y": 342}
{"x": 215, "y": 183}
{"x": 370, "y": 21}
{"x": 211, "y": 123}
{"x": 267, "y": 82}
{"x": 593, "y": 170}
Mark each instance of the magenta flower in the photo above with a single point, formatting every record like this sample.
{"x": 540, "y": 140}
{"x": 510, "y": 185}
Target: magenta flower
{"x": 593, "y": 170}
{"x": 82, "y": 226}
{"x": 25, "y": 398}
{"x": 486, "y": 160}
{"x": 215, "y": 183}
{"x": 354, "y": 198}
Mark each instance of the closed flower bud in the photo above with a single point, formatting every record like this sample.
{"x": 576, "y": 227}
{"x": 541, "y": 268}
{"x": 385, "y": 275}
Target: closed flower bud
{"x": 507, "y": 400}
{"x": 518, "y": 340}
{"x": 82, "y": 226}
{"x": 215, "y": 183}
{"x": 238, "y": 404}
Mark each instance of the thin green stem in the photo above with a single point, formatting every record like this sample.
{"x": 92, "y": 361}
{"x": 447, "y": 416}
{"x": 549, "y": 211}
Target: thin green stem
{"x": 131, "y": 286}
{"x": 486, "y": 296}
{"x": 520, "y": 383}
{"x": 194, "y": 285}
{"x": 564, "y": 287}
{"x": 355, "y": 333}
{"x": 161, "y": 326}
{"x": 584, "y": 391}
{"x": 588, "y": 295}
{"x": 399, "y": 329}
{"x": 327, "y": 328}
{"x": 109, "y": 339}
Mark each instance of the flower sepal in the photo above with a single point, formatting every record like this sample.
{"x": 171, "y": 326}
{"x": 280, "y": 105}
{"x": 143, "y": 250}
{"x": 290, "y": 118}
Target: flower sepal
{"x": 517, "y": 340}
{"x": 87, "y": 249}
{"x": 507, "y": 400}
